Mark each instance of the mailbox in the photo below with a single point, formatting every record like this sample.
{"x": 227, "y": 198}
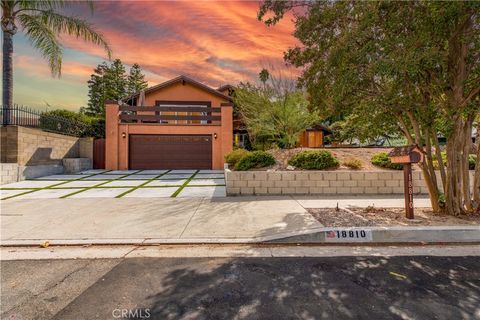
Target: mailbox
{"x": 408, "y": 154}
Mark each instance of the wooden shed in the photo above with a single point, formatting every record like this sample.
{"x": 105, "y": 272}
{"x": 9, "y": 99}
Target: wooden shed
{"x": 314, "y": 137}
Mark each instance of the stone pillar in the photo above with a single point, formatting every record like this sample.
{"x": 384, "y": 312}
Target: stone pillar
{"x": 111, "y": 135}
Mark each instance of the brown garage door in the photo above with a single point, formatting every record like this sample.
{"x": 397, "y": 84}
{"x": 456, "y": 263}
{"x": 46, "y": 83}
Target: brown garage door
{"x": 170, "y": 152}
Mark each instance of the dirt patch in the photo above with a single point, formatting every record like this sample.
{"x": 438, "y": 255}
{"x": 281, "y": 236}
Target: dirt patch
{"x": 363, "y": 154}
{"x": 361, "y": 217}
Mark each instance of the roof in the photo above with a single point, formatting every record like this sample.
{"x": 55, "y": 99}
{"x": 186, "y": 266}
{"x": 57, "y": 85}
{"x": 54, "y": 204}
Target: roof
{"x": 183, "y": 79}
{"x": 320, "y": 127}
{"x": 224, "y": 87}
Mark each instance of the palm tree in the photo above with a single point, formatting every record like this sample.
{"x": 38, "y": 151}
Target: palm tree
{"x": 42, "y": 23}
{"x": 264, "y": 75}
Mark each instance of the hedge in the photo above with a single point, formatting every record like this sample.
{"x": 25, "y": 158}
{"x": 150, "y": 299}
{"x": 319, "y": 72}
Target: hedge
{"x": 255, "y": 159}
{"x": 381, "y": 159}
{"x": 233, "y": 157}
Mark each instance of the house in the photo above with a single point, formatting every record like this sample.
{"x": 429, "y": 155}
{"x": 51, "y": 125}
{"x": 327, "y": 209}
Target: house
{"x": 178, "y": 124}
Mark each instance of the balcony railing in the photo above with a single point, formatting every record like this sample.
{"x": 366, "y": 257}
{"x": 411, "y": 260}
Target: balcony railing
{"x": 170, "y": 115}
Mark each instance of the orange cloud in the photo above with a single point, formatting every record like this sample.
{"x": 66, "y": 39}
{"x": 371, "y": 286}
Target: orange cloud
{"x": 217, "y": 42}
{"x": 33, "y": 66}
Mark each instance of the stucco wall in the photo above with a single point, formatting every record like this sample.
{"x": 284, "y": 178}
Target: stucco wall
{"x": 180, "y": 92}
{"x": 320, "y": 182}
{"x": 116, "y": 156}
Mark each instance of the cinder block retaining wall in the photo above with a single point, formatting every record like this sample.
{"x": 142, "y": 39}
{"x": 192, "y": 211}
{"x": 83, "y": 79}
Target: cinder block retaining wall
{"x": 76, "y": 164}
{"x": 320, "y": 182}
{"x": 28, "y": 146}
{"x": 29, "y": 153}
{"x": 12, "y": 172}
{"x": 9, "y": 172}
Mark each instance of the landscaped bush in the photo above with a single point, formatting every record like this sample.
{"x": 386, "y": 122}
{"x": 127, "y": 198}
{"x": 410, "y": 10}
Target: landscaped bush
{"x": 233, "y": 157}
{"x": 255, "y": 159}
{"x": 353, "y": 163}
{"x": 72, "y": 123}
{"x": 63, "y": 121}
{"x": 314, "y": 160}
{"x": 381, "y": 159}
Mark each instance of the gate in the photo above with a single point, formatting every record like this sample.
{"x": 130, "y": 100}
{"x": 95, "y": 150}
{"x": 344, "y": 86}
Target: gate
{"x": 99, "y": 154}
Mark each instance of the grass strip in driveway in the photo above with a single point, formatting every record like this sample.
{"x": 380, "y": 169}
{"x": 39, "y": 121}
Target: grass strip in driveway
{"x": 96, "y": 186}
{"x": 175, "y": 194}
{"x": 141, "y": 185}
{"x": 48, "y": 187}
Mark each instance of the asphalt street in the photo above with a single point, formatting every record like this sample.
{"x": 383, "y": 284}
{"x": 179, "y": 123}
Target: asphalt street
{"x": 401, "y": 287}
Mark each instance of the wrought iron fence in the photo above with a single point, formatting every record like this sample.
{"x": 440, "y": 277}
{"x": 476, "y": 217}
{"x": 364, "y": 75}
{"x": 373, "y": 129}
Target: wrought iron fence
{"x": 27, "y": 117}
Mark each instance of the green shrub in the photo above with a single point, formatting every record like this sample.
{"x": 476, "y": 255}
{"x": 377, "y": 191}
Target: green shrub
{"x": 353, "y": 163}
{"x": 96, "y": 127}
{"x": 233, "y": 157}
{"x": 72, "y": 123}
{"x": 64, "y": 121}
{"x": 314, "y": 160}
{"x": 381, "y": 159}
{"x": 255, "y": 159}
{"x": 471, "y": 161}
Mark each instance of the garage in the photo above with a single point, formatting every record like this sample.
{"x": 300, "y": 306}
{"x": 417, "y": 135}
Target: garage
{"x": 170, "y": 151}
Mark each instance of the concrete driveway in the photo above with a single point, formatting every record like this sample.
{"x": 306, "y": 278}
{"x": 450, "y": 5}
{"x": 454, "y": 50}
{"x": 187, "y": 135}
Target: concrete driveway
{"x": 120, "y": 184}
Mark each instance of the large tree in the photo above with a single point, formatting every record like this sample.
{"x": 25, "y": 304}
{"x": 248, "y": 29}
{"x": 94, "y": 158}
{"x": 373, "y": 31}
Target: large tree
{"x": 96, "y": 91}
{"x": 110, "y": 82}
{"x": 42, "y": 22}
{"x": 136, "y": 80}
{"x": 275, "y": 112}
{"x": 415, "y": 65}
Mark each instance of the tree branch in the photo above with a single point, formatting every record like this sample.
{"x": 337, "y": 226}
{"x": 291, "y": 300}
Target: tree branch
{"x": 473, "y": 93}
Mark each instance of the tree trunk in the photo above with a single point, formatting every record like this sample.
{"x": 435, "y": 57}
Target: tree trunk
{"x": 438, "y": 154}
{"x": 457, "y": 168}
{"x": 476, "y": 178}
{"x": 7, "y": 89}
{"x": 429, "y": 174}
{"x": 467, "y": 143}
{"x": 432, "y": 188}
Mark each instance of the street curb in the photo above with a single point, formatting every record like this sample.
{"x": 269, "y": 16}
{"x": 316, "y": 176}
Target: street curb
{"x": 373, "y": 235}
{"x": 398, "y": 235}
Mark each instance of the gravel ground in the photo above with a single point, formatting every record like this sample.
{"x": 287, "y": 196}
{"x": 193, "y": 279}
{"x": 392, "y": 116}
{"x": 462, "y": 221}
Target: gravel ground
{"x": 387, "y": 217}
{"x": 363, "y": 154}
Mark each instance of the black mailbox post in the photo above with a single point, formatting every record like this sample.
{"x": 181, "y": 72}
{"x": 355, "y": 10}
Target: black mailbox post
{"x": 406, "y": 156}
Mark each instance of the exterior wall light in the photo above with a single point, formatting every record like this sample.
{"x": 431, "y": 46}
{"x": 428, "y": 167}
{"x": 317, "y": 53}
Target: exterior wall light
{"x": 124, "y": 135}
{"x": 215, "y": 136}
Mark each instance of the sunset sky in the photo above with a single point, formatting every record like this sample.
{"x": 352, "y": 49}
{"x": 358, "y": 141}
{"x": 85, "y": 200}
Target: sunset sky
{"x": 213, "y": 42}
